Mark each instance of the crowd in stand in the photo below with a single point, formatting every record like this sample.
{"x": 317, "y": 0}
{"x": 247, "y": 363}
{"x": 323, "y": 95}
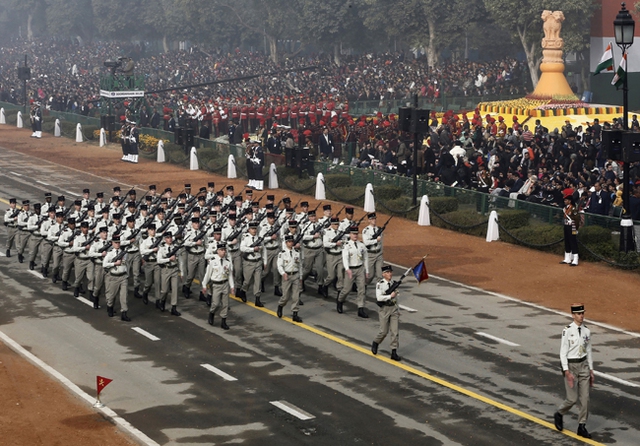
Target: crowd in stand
{"x": 525, "y": 162}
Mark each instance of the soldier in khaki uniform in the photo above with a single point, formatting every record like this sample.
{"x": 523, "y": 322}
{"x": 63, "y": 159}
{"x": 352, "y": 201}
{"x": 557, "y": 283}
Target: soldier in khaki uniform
{"x": 270, "y": 232}
{"x": 116, "y": 278}
{"x": 576, "y": 361}
{"x": 219, "y": 276}
{"x": 97, "y": 253}
{"x": 82, "y": 266}
{"x": 333, "y": 255}
{"x": 10, "y": 220}
{"x": 356, "y": 265}
{"x": 374, "y": 248}
{"x": 168, "y": 263}
{"x": 195, "y": 246}
{"x": 149, "y": 251}
{"x": 289, "y": 265}
{"x": 252, "y": 258}
{"x": 65, "y": 242}
{"x": 389, "y": 313}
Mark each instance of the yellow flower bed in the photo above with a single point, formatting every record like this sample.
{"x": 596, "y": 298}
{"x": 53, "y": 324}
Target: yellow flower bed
{"x": 147, "y": 142}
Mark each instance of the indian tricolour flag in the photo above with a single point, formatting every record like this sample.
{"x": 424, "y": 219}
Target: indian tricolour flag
{"x": 606, "y": 62}
{"x": 618, "y": 79}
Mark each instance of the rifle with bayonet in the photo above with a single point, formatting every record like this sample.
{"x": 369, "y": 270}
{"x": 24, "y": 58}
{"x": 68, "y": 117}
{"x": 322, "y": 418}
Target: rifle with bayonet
{"x": 153, "y": 246}
{"x": 344, "y": 231}
{"x": 394, "y": 286}
{"x": 379, "y": 231}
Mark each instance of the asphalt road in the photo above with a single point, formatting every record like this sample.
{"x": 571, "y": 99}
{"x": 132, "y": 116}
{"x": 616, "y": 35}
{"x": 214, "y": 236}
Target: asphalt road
{"x": 477, "y": 369}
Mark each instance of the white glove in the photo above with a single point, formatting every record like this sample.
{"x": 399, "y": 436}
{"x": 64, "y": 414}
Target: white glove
{"x": 37, "y": 118}
{"x": 132, "y": 139}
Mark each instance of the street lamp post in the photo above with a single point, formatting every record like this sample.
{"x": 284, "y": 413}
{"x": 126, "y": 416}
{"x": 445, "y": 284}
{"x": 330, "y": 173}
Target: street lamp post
{"x": 624, "y": 28}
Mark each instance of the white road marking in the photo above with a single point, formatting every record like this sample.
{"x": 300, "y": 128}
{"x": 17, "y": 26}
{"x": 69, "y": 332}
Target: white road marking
{"x": 409, "y": 309}
{"x": 497, "y": 339}
{"x": 615, "y": 379}
{"x": 43, "y": 183}
{"x": 37, "y": 274}
{"x": 16, "y": 173}
{"x": 522, "y": 302}
{"x": 2, "y": 254}
{"x": 219, "y": 372}
{"x": 293, "y": 410}
{"x": 84, "y": 300}
{"x": 77, "y": 390}
{"x": 68, "y": 192}
{"x": 144, "y": 333}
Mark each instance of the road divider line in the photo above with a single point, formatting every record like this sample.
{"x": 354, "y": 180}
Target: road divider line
{"x": 37, "y": 274}
{"x": 68, "y": 192}
{"x": 292, "y": 410}
{"x": 43, "y": 183}
{"x": 2, "y": 254}
{"x": 110, "y": 414}
{"x": 15, "y": 173}
{"x": 497, "y": 339}
{"x": 219, "y": 372}
{"x": 409, "y": 309}
{"x": 615, "y": 379}
{"x": 144, "y": 333}
{"x": 426, "y": 376}
{"x": 84, "y": 300}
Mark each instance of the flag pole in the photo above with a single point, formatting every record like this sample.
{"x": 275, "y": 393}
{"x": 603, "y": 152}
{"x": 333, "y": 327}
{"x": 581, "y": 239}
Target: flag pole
{"x": 98, "y": 404}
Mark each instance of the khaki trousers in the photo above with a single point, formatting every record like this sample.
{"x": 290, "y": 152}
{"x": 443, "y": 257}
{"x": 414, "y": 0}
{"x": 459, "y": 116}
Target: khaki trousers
{"x": 335, "y": 269}
{"x": 134, "y": 260}
{"x": 98, "y": 279}
{"x": 220, "y": 298}
{"x": 313, "y": 259}
{"x": 195, "y": 267}
{"x": 12, "y": 232}
{"x": 291, "y": 290}
{"x": 272, "y": 267}
{"x": 580, "y": 391}
{"x": 375, "y": 267}
{"x": 389, "y": 317}
{"x": 252, "y": 271}
{"x": 116, "y": 286}
{"x": 83, "y": 268}
{"x": 169, "y": 282}
{"x": 67, "y": 263}
{"x": 34, "y": 245}
{"x": 358, "y": 275}
{"x": 152, "y": 277}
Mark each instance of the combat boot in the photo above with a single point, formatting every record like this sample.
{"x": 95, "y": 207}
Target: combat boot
{"x": 374, "y": 347}
{"x": 110, "y": 311}
{"x": 394, "y": 355}
{"x": 174, "y": 311}
{"x": 8, "y": 253}
{"x": 279, "y": 311}
{"x": 224, "y": 325}
{"x": 124, "y": 317}
{"x": 210, "y": 318}
{"x": 136, "y": 293}
{"x": 20, "y": 258}
{"x": 145, "y": 297}
{"x": 32, "y": 265}
{"x": 65, "y": 285}
{"x": 583, "y": 432}
{"x": 339, "y": 307}
{"x": 295, "y": 317}
{"x": 76, "y": 292}
{"x": 363, "y": 314}
{"x": 258, "y": 303}
{"x": 278, "y": 291}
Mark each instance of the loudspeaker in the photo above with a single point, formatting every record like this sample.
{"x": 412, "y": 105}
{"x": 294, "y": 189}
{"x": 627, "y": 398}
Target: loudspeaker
{"x": 612, "y": 142}
{"x": 24, "y": 73}
{"x": 420, "y": 121}
{"x": 189, "y": 134}
{"x": 404, "y": 119}
{"x": 630, "y": 147}
{"x": 178, "y": 138}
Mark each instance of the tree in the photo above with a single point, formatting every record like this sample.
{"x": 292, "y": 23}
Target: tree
{"x": 29, "y": 10}
{"x": 522, "y": 18}
{"x": 70, "y": 18}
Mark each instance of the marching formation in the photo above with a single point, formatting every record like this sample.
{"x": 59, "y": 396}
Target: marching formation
{"x": 230, "y": 244}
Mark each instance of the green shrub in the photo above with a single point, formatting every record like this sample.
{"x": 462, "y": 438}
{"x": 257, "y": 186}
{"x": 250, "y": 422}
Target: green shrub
{"x": 294, "y": 183}
{"x": 607, "y": 250}
{"x": 335, "y": 181}
{"x": 460, "y": 221}
{"x": 593, "y": 235}
{"x": 88, "y": 130}
{"x": 537, "y": 235}
{"x": 512, "y": 219}
{"x": 352, "y": 194}
{"x": 214, "y": 164}
{"x": 443, "y": 205}
{"x": 387, "y": 193}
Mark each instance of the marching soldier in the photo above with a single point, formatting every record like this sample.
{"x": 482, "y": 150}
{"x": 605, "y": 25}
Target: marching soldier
{"x": 10, "y": 221}
{"x": 219, "y": 278}
{"x": 52, "y": 237}
{"x": 212, "y": 244}
{"x": 577, "y": 367}
{"x": 129, "y": 241}
{"x": 348, "y": 220}
{"x": 169, "y": 272}
{"x": 289, "y": 268}
{"x": 83, "y": 267}
{"x": 65, "y": 242}
{"x": 116, "y": 278}
{"x": 333, "y": 255}
{"x": 44, "y": 209}
{"x": 148, "y": 251}
{"x": 76, "y": 211}
{"x": 228, "y": 198}
{"x": 211, "y": 192}
{"x": 97, "y": 252}
{"x": 312, "y": 254}
{"x": 389, "y": 313}
{"x": 356, "y": 264}
{"x": 46, "y": 248}
{"x": 60, "y": 204}
{"x": 33, "y": 226}
{"x": 270, "y": 234}
{"x": 23, "y": 233}
{"x": 99, "y": 203}
{"x": 195, "y": 246}
{"x": 232, "y": 235}
{"x": 374, "y": 248}
{"x": 86, "y": 199}
{"x": 251, "y": 248}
